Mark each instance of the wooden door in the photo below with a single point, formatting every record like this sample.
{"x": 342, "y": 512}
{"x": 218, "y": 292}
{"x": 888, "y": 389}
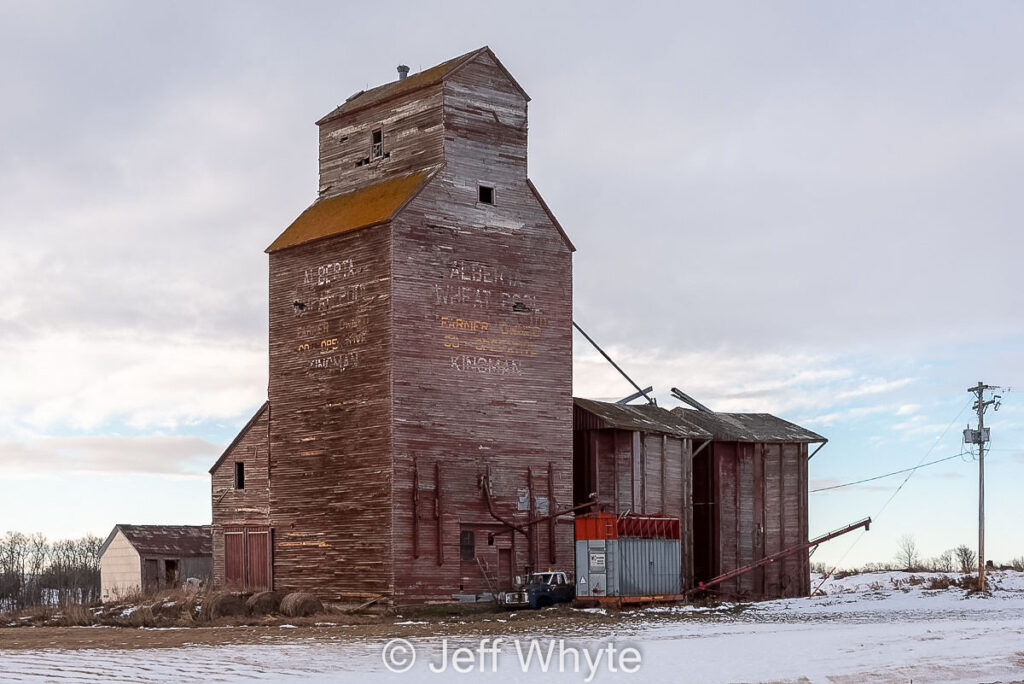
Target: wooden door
{"x": 150, "y": 575}
{"x": 247, "y": 558}
{"x": 234, "y": 558}
{"x": 258, "y": 559}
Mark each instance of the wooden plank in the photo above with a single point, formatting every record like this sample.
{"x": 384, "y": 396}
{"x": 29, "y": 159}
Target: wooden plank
{"x": 240, "y": 507}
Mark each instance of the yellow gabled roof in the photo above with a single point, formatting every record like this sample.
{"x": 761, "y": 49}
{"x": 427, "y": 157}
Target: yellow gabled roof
{"x": 363, "y": 207}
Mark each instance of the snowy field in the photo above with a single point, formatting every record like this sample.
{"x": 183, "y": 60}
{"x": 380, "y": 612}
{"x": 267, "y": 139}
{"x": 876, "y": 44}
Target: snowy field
{"x": 877, "y": 627}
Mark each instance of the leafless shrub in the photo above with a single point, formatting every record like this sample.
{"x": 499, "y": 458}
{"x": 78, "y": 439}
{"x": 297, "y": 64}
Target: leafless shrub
{"x": 942, "y": 582}
{"x": 970, "y": 583}
{"x": 1017, "y": 563}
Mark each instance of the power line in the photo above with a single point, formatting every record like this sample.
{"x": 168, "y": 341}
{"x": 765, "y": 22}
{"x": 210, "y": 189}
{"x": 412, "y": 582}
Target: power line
{"x": 927, "y": 453}
{"x": 891, "y": 497}
{"x": 879, "y": 477}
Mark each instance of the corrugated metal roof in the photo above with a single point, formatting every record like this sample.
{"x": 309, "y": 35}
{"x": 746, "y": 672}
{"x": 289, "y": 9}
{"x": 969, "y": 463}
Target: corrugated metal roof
{"x": 747, "y": 427}
{"x": 357, "y": 209}
{"x": 171, "y": 541}
{"x": 641, "y": 417}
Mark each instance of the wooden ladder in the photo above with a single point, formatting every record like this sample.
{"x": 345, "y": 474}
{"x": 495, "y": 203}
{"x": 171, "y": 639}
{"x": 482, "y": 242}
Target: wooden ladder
{"x": 486, "y": 571}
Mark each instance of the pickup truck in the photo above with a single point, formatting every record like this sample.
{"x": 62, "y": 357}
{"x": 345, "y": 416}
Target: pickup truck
{"x": 543, "y": 589}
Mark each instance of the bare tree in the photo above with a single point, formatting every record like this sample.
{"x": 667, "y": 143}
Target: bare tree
{"x": 34, "y": 571}
{"x": 907, "y": 555}
{"x": 966, "y": 558}
{"x": 945, "y": 561}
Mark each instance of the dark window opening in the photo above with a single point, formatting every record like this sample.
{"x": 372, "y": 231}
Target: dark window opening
{"x": 467, "y": 545}
{"x": 486, "y": 194}
{"x": 377, "y": 143}
{"x": 239, "y": 475}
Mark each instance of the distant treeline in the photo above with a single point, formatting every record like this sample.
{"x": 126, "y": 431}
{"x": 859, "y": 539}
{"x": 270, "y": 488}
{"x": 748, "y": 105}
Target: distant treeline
{"x": 35, "y": 571}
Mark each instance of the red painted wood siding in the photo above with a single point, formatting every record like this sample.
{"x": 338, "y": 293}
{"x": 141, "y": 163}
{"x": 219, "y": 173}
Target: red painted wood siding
{"x": 330, "y": 374}
{"x": 235, "y": 507}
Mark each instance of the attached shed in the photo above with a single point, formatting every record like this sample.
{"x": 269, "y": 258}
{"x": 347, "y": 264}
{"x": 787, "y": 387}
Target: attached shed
{"x": 240, "y": 482}
{"x": 147, "y": 558}
{"x": 750, "y": 501}
{"x": 636, "y": 460}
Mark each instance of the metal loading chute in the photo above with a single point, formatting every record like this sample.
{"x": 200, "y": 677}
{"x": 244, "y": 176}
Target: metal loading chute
{"x": 865, "y": 523}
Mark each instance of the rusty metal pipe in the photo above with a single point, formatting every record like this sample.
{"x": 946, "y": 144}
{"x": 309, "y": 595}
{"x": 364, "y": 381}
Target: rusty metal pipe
{"x": 865, "y": 523}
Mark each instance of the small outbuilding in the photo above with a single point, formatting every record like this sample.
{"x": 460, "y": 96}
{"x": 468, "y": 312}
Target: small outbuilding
{"x": 750, "y": 502}
{"x": 636, "y": 460}
{"x": 146, "y": 558}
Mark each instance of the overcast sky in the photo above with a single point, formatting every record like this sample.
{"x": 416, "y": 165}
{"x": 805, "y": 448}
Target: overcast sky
{"x": 809, "y": 209}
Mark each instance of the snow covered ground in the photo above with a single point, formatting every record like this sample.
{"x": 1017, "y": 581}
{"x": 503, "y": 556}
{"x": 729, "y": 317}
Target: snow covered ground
{"x": 878, "y": 627}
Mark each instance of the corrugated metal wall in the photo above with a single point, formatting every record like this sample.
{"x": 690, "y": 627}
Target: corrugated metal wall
{"x": 627, "y": 555}
{"x": 648, "y": 567}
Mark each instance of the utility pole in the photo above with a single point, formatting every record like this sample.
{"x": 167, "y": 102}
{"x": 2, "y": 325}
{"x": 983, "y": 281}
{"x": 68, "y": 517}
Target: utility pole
{"x": 979, "y": 437}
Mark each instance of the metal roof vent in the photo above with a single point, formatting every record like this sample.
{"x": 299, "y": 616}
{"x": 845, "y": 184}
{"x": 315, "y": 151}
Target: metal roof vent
{"x": 403, "y": 71}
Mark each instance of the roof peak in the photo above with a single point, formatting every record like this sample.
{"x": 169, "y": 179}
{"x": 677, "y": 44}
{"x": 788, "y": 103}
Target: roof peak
{"x": 413, "y": 82}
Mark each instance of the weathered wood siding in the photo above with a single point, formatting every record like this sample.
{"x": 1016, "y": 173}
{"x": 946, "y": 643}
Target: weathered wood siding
{"x": 485, "y": 138}
{"x": 643, "y": 473}
{"x": 410, "y": 359}
{"x": 251, "y": 505}
{"x": 479, "y": 386}
{"x": 412, "y": 129}
{"x": 483, "y": 355}
{"x": 330, "y": 436}
{"x": 759, "y": 505}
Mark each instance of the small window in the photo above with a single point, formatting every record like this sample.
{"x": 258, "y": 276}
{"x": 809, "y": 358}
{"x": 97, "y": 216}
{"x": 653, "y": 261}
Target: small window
{"x": 239, "y": 475}
{"x": 467, "y": 545}
{"x": 486, "y": 194}
{"x": 377, "y": 144}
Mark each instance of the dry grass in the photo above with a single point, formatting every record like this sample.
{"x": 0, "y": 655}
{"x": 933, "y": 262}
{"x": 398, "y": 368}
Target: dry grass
{"x": 75, "y": 615}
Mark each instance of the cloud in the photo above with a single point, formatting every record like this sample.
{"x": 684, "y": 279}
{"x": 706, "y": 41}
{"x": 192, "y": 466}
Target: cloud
{"x": 76, "y": 381}
{"x": 819, "y": 388}
{"x": 168, "y": 455}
